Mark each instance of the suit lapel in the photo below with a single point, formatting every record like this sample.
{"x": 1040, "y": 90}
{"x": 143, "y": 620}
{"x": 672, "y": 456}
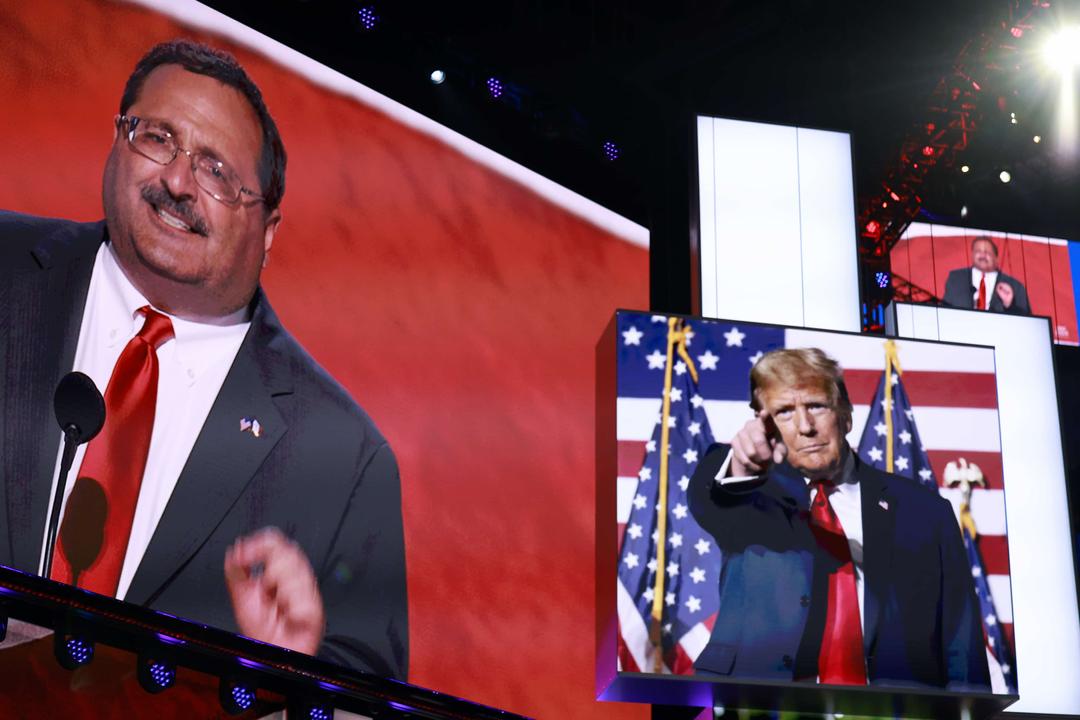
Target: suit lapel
{"x": 879, "y": 524}
{"x": 43, "y": 315}
{"x": 223, "y": 460}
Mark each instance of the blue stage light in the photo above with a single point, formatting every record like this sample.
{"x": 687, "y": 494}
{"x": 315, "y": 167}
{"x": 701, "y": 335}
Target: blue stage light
{"x": 368, "y": 17}
{"x": 236, "y": 696}
{"x": 72, "y": 651}
{"x": 611, "y": 151}
{"x": 437, "y": 77}
{"x": 320, "y": 712}
{"x": 882, "y": 279}
{"x": 156, "y": 675}
{"x": 495, "y": 87}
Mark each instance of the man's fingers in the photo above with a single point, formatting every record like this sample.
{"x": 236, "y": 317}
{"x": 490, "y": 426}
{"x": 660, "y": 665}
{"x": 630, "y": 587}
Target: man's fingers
{"x": 779, "y": 451}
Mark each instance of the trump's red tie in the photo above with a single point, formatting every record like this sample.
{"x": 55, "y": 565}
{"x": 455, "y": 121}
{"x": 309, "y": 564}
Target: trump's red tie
{"x": 115, "y": 460}
{"x": 841, "y": 660}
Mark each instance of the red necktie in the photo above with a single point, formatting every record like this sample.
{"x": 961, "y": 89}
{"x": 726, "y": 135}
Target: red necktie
{"x": 841, "y": 660}
{"x": 982, "y": 293}
{"x": 111, "y": 473}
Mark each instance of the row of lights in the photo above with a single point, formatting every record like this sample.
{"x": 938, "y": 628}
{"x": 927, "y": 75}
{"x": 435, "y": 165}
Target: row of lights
{"x": 157, "y": 674}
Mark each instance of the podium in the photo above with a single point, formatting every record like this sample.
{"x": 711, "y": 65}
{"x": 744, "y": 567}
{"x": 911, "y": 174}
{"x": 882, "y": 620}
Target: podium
{"x": 75, "y": 654}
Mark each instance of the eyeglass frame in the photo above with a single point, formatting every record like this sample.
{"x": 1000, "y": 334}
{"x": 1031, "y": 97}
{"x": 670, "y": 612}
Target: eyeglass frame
{"x": 132, "y": 121}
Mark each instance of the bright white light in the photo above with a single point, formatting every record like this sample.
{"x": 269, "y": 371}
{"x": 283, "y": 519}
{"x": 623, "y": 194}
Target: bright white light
{"x": 964, "y": 211}
{"x": 965, "y": 168}
{"x": 1062, "y": 51}
{"x": 1037, "y": 139}
{"x": 1005, "y": 176}
{"x": 437, "y": 76}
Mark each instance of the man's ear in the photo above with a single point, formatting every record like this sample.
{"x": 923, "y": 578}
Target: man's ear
{"x": 273, "y": 221}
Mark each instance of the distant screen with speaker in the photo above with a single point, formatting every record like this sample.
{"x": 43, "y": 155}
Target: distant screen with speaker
{"x": 973, "y": 269}
{"x": 344, "y": 352}
{"x": 803, "y": 507}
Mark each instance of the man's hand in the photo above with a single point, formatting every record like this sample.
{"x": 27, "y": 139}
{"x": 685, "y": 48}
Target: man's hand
{"x": 1005, "y": 292}
{"x": 754, "y": 448}
{"x": 274, "y": 594}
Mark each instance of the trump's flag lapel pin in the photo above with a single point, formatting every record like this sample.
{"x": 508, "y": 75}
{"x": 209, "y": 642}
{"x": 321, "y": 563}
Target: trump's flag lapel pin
{"x": 250, "y": 424}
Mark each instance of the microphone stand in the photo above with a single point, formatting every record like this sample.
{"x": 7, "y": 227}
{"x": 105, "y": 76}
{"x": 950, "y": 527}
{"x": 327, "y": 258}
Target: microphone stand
{"x": 71, "y": 443}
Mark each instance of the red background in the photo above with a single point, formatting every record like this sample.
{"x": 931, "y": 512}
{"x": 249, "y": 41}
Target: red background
{"x": 458, "y": 307}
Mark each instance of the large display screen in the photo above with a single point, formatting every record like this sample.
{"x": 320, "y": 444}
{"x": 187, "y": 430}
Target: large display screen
{"x": 722, "y": 570}
{"x": 1019, "y": 274}
{"x": 453, "y": 295}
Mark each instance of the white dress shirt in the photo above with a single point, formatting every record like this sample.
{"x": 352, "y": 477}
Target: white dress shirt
{"x": 846, "y": 501}
{"x": 191, "y": 369}
{"x": 991, "y": 283}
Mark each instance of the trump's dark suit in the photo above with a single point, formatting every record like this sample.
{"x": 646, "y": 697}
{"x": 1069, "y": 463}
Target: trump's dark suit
{"x": 922, "y": 624}
{"x": 320, "y": 471}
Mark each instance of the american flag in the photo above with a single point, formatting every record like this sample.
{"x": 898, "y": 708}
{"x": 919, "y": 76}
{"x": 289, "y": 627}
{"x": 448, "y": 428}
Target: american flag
{"x": 952, "y": 394}
{"x": 910, "y": 459}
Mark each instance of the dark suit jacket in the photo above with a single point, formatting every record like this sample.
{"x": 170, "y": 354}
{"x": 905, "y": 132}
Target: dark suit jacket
{"x": 960, "y": 294}
{"x": 922, "y": 625}
{"x": 320, "y": 470}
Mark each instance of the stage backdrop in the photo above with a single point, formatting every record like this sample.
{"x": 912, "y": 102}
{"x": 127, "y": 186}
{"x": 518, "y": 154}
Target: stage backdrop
{"x": 456, "y": 296}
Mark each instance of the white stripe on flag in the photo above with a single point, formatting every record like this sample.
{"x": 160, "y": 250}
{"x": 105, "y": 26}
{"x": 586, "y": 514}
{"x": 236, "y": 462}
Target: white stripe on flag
{"x": 632, "y": 626}
{"x": 624, "y": 500}
{"x": 854, "y": 352}
{"x": 944, "y": 428}
{"x": 987, "y": 507}
{"x": 1001, "y": 591}
{"x": 695, "y": 640}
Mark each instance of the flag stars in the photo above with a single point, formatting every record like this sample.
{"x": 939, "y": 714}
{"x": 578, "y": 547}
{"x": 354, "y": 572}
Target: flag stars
{"x": 632, "y": 336}
{"x": 656, "y": 533}
{"x": 644, "y": 474}
{"x": 650, "y": 446}
{"x": 901, "y": 463}
{"x": 910, "y": 415}
{"x": 697, "y": 401}
{"x": 895, "y": 378}
{"x": 876, "y": 455}
{"x": 676, "y": 540}
{"x": 734, "y": 338}
{"x": 656, "y": 360}
{"x": 690, "y": 456}
{"x": 648, "y": 595}
{"x": 671, "y": 421}
{"x": 667, "y": 626}
{"x": 880, "y": 428}
{"x": 675, "y": 395}
{"x": 905, "y": 437}
{"x": 673, "y": 569}
{"x": 659, "y": 318}
{"x": 640, "y": 502}
{"x": 669, "y": 600}
{"x": 651, "y": 565}
{"x": 688, "y": 334}
{"x": 679, "y": 511}
{"x": 680, "y": 368}
{"x": 707, "y": 360}
{"x": 634, "y": 531}
{"x": 702, "y": 546}
{"x": 631, "y": 560}
{"x": 694, "y": 428}
{"x": 693, "y": 604}
{"x": 926, "y": 474}
{"x": 684, "y": 483}
{"x": 886, "y": 405}
{"x": 697, "y": 575}
{"x": 755, "y": 357}
{"x": 990, "y": 620}
{"x": 976, "y": 571}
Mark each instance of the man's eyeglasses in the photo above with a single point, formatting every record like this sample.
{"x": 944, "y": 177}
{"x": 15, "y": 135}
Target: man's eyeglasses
{"x": 154, "y": 141}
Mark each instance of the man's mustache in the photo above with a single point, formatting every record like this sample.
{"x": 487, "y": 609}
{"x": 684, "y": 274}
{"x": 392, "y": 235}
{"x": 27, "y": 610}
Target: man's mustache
{"x": 161, "y": 199}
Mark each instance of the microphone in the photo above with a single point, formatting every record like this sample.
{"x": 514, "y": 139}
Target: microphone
{"x": 80, "y": 411}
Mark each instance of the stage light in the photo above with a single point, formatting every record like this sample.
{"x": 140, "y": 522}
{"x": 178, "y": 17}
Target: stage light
{"x": 437, "y": 77}
{"x": 928, "y": 151}
{"x": 72, "y": 651}
{"x": 611, "y": 151}
{"x": 882, "y": 279}
{"x": 872, "y": 227}
{"x": 368, "y": 17}
{"x": 965, "y": 168}
{"x": 1062, "y": 50}
{"x": 964, "y": 211}
{"x": 236, "y": 696}
{"x": 495, "y": 87}
{"x": 1005, "y": 176}
{"x": 156, "y": 675}
{"x": 1037, "y": 139}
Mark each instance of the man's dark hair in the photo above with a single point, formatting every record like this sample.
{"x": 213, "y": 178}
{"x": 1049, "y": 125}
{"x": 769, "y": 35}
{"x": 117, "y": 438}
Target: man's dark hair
{"x": 985, "y": 238}
{"x": 222, "y": 66}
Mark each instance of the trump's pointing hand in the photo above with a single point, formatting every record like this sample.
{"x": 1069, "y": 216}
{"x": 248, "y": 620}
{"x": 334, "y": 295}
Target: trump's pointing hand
{"x": 280, "y": 604}
{"x": 754, "y": 448}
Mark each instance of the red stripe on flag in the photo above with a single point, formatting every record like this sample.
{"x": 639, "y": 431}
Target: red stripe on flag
{"x": 994, "y": 550}
{"x": 631, "y": 457}
{"x": 935, "y": 389}
{"x": 988, "y": 462}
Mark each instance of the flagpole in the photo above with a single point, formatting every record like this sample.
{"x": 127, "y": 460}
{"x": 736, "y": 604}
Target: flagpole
{"x": 892, "y": 362}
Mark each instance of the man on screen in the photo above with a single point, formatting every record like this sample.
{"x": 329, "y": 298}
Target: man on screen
{"x": 833, "y": 571}
{"x": 983, "y": 286}
{"x": 235, "y": 482}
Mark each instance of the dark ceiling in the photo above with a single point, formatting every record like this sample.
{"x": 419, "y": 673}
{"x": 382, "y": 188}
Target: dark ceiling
{"x": 581, "y": 73}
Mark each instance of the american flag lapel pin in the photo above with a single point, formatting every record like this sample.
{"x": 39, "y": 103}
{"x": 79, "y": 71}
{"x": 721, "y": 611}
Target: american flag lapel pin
{"x": 883, "y": 504}
{"x": 250, "y": 424}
